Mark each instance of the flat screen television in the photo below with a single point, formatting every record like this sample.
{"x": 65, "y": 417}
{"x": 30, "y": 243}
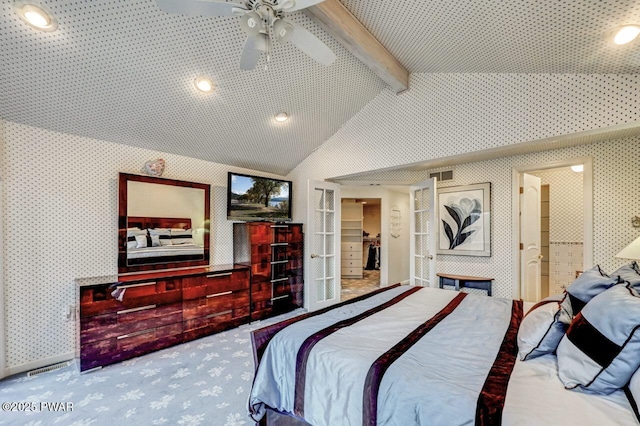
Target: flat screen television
{"x": 254, "y": 198}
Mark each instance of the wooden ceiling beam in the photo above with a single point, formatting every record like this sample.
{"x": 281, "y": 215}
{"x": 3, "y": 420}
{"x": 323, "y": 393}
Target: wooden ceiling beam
{"x": 357, "y": 39}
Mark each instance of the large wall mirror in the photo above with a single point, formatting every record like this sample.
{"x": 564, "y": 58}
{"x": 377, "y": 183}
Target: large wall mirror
{"x": 163, "y": 223}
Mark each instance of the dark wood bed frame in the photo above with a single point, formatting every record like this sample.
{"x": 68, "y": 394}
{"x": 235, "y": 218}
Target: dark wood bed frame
{"x": 158, "y": 222}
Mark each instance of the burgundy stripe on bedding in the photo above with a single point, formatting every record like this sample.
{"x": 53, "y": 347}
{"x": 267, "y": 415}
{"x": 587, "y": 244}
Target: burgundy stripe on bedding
{"x": 494, "y": 391}
{"x": 260, "y": 338}
{"x": 310, "y": 342}
{"x": 380, "y": 366}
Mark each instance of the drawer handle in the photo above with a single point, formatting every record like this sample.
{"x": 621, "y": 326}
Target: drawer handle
{"x": 224, "y": 293}
{"x": 279, "y": 297}
{"x": 137, "y": 333}
{"x": 279, "y": 226}
{"x": 218, "y": 314}
{"x": 279, "y": 280}
{"x": 121, "y": 287}
{"x": 279, "y": 244}
{"x": 226, "y": 274}
{"x": 278, "y": 262}
{"x": 142, "y": 308}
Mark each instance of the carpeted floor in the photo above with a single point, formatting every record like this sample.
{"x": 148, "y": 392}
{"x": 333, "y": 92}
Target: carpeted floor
{"x": 204, "y": 382}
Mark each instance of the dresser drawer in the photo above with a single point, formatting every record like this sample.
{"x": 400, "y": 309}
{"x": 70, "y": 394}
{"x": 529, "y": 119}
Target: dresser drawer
{"x": 127, "y": 321}
{"x": 102, "y": 299}
{"x": 214, "y": 284}
{"x": 116, "y": 349}
{"x": 357, "y": 247}
{"x": 214, "y": 323}
{"x": 215, "y": 304}
{"x": 352, "y": 271}
{"x": 351, "y": 255}
{"x": 351, "y": 263}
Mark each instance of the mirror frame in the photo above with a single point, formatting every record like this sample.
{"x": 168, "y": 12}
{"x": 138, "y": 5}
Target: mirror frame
{"x": 123, "y": 180}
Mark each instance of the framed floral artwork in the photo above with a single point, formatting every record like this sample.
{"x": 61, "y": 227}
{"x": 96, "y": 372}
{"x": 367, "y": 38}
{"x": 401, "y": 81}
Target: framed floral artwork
{"x": 465, "y": 220}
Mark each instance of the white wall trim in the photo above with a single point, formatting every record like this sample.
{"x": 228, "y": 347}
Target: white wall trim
{"x": 69, "y": 356}
{"x": 587, "y": 189}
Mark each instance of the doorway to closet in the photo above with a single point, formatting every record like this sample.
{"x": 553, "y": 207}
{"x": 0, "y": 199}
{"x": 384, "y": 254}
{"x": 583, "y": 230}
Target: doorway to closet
{"x": 361, "y": 224}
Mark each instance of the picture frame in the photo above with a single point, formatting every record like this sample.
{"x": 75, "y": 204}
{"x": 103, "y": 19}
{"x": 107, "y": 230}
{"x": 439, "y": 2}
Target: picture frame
{"x": 464, "y": 220}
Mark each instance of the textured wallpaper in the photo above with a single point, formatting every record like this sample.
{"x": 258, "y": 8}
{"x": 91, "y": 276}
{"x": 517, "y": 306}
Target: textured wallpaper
{"x": 449, "y": 114}
{"x": 61, "y": 223}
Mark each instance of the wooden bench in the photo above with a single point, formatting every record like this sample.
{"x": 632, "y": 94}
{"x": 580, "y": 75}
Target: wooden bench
{"x": 460, "y": 281}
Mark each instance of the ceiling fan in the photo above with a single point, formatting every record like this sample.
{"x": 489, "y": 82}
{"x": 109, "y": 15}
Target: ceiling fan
{"x": 263, "y": 21}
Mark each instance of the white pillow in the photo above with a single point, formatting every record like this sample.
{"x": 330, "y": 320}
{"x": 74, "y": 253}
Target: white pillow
{"x": 541, "y": 329}
{"x": 163, "y": 234}
{"x": 600, "y": 351}
{"x": 141, "y": 241}
{"x": 634, "y": 393}
{"x": 155, "y": 240}
{"x": 181, "y": 236}
{"x": 132, "y": 233}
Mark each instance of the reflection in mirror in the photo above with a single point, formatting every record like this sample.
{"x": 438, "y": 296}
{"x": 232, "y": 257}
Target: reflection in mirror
{"x": 164, "y": 223}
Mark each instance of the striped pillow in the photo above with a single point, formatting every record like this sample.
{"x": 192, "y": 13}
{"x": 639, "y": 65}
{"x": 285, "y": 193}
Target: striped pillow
{"x": 132, "y": 233}
{"x": 164, "y": 234}
{"x": 599, "y": 353}
{"x": 629, "y": 273}
{"x": 588, "y": 285}
{"x": 540, "y": 330}
{"x": 181, "y": 236}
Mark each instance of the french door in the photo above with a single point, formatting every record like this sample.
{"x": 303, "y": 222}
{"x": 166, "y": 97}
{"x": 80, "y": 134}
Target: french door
{"x": 323, "y": 237}
{"x": 423, "y": 233}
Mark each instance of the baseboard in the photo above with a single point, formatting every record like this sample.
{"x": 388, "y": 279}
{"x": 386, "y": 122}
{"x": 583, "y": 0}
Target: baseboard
{"x": 39, "y": 363}
{"x": 405, "y": 282}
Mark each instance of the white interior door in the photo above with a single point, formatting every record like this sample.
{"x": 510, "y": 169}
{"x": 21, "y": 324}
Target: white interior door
{"x": 423, "y": 233}
{"x": 323, "y": 237}
{"x": 530, "y": 252}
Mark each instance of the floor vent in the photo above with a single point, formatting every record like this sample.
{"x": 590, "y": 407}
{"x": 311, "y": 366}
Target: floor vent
{"x": 49, "y": 368}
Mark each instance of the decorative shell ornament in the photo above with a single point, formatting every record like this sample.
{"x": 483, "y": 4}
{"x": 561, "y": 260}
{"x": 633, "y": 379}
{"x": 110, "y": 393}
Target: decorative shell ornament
{"x": 154, "y": 167}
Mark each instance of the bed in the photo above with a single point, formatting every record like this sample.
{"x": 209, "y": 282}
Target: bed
{"x": 412, "y": 355}
{"x": 163, "y": 253}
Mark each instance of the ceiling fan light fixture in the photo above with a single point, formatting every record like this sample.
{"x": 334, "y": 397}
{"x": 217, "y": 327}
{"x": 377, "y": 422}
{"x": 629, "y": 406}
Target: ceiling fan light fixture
{"x": 282, "y": 117}
{"x": 251, "y": 22}
{"x": 626, "y": 34}
{"x": 203, "y": 84}
{"x": 35, "y": 16}
{"x": 283, "y": 30}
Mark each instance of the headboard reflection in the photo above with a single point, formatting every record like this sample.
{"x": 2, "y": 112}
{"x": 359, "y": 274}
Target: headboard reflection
{"x": 158, "y": 222}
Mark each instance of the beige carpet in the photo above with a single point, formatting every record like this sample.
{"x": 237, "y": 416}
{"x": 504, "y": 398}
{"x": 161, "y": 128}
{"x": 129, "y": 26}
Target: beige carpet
{"x": 355, "y": 287}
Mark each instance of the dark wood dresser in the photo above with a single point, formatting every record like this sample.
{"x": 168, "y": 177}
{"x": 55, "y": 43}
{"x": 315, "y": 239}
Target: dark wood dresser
{"x": 275, "y": 253}
{"x": 127, "y": 316}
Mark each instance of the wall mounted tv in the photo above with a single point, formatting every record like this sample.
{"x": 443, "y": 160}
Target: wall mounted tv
{"x": 253, "y": 198}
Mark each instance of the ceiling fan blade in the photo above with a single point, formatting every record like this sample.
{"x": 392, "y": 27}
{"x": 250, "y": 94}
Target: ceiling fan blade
{"x": 293, "y": 5}
{"x": 201, "y": 7}
{"x": 251, "y": 52}
{"x": 312, "y": 46}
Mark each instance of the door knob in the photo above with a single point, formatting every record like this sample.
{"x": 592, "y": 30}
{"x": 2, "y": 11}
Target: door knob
{"x": 313, "y": 256}
{"x": 427, "y": 256}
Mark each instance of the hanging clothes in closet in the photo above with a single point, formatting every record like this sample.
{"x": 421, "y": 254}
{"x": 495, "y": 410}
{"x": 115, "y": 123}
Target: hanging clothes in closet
{"x": 373, "y": 258}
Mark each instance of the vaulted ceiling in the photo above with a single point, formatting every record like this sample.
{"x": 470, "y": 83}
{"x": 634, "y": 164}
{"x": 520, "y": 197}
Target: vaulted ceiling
{"x": 123, "y": 70}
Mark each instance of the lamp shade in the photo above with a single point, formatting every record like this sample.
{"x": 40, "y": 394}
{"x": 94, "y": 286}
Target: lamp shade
{"x": 632, "y": 251}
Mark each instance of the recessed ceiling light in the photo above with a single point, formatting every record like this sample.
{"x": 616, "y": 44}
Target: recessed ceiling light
{"x": 35, "y": 16}
{"x": 626, "y": 34}
{"x": 577, "y": 168}
{"x": 204, "y": 84}
{"x": 282, "y": 116}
